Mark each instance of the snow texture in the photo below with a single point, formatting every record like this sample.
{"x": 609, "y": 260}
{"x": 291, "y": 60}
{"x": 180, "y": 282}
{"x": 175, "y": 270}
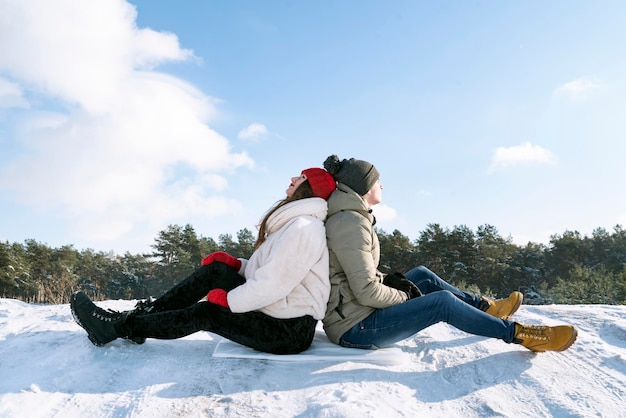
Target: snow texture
{"x": 48, "y": 368}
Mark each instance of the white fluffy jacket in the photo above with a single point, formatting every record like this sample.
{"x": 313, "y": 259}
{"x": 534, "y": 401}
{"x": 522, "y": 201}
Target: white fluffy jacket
{"x": 287, "y": 276}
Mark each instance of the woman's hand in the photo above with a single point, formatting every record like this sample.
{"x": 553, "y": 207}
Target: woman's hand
{"x": 218, "y": 297}
{"x": 222, "y": 257}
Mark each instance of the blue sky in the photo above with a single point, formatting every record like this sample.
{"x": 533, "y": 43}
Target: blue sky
{"x": 119, "y": 118}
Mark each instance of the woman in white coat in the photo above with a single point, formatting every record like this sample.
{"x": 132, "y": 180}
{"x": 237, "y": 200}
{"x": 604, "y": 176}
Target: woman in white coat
{"x": 271, "y": 302}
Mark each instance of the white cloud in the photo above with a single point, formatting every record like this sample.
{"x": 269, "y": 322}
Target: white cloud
{"x": 253, "y": 132}
{"x": 384, "y": 213}
{"x": 80, "y": 51}
{"x": 523, "y": 154}
{"x": 11, "y": 95}
{"x": 128, "y": 146}
{"x": 578, "y": 90}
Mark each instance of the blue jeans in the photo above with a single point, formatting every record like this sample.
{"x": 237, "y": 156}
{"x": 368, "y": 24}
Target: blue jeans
{"x": 441, "y": 303}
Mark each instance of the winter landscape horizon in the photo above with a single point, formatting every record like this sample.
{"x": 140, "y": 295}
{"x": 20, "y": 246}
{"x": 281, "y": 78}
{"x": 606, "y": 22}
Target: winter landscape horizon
{"x": 50, "y": 369}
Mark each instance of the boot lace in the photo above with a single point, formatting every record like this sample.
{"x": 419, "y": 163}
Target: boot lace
{"x": 536, "y": 332}
{"x": 107, "y": 316}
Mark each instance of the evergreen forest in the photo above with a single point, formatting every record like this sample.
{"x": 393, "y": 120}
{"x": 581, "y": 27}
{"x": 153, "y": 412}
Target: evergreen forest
{"x": 571, "y": 269}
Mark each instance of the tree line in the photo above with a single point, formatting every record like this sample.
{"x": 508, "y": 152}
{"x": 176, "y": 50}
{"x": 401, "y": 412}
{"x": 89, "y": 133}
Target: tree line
{"x": 571, "y": 269}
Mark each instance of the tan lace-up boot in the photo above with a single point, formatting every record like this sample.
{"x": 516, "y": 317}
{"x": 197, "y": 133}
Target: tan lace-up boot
{"x": 503, "y": 308}
{"x": 545, "y": 338}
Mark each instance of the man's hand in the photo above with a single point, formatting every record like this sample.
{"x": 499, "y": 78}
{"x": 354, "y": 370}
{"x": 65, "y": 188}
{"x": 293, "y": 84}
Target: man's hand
{"x": 398, "y": 281}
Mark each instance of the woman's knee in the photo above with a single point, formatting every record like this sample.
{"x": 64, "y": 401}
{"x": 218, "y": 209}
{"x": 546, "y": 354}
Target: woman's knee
{"x": 223, "y": 277}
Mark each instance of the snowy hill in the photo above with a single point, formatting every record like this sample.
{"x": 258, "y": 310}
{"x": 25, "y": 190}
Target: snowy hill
{"x": 50, "y": 369}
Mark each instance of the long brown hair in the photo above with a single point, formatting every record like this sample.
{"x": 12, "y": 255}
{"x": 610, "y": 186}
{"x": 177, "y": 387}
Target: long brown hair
{"x": 302, "y": 192}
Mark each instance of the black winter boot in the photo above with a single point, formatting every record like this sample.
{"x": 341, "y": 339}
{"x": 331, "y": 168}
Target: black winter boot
{"x": 143, "y": 307}
{"x": 99, "y": 323}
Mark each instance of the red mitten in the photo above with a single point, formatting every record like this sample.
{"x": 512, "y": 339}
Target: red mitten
{"x": 222, "y": 257}
{"x": 218, "y": 297}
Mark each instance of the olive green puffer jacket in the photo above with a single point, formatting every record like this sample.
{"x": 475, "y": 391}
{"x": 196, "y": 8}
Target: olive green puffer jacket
{"x": 356, "y": 284}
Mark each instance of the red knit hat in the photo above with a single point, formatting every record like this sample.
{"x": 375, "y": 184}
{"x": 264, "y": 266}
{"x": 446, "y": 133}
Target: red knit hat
{"x": 322, "y": 183}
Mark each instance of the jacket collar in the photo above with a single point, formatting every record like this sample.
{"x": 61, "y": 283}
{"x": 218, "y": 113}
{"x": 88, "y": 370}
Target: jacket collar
{"x": 314, "y": 206}
{"x": 344, "y": 198}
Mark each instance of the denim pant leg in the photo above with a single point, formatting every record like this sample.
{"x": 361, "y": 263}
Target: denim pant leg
{"x": 389, "y": 325}
{"x": 429, "y": 282}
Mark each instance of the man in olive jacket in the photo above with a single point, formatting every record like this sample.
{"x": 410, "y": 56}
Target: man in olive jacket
{"x": 368, "y": 309}
{"x": 356, "y": 284}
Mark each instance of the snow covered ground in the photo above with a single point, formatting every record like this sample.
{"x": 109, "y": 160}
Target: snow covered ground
{"x": 48, "y": 368}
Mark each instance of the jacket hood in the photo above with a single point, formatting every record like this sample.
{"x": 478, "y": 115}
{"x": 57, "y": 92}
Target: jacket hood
{"x": 344, "y": 198}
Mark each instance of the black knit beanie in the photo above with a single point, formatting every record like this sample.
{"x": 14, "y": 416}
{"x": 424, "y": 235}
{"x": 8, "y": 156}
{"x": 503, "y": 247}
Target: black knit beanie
{"x": 358, "y": 175}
